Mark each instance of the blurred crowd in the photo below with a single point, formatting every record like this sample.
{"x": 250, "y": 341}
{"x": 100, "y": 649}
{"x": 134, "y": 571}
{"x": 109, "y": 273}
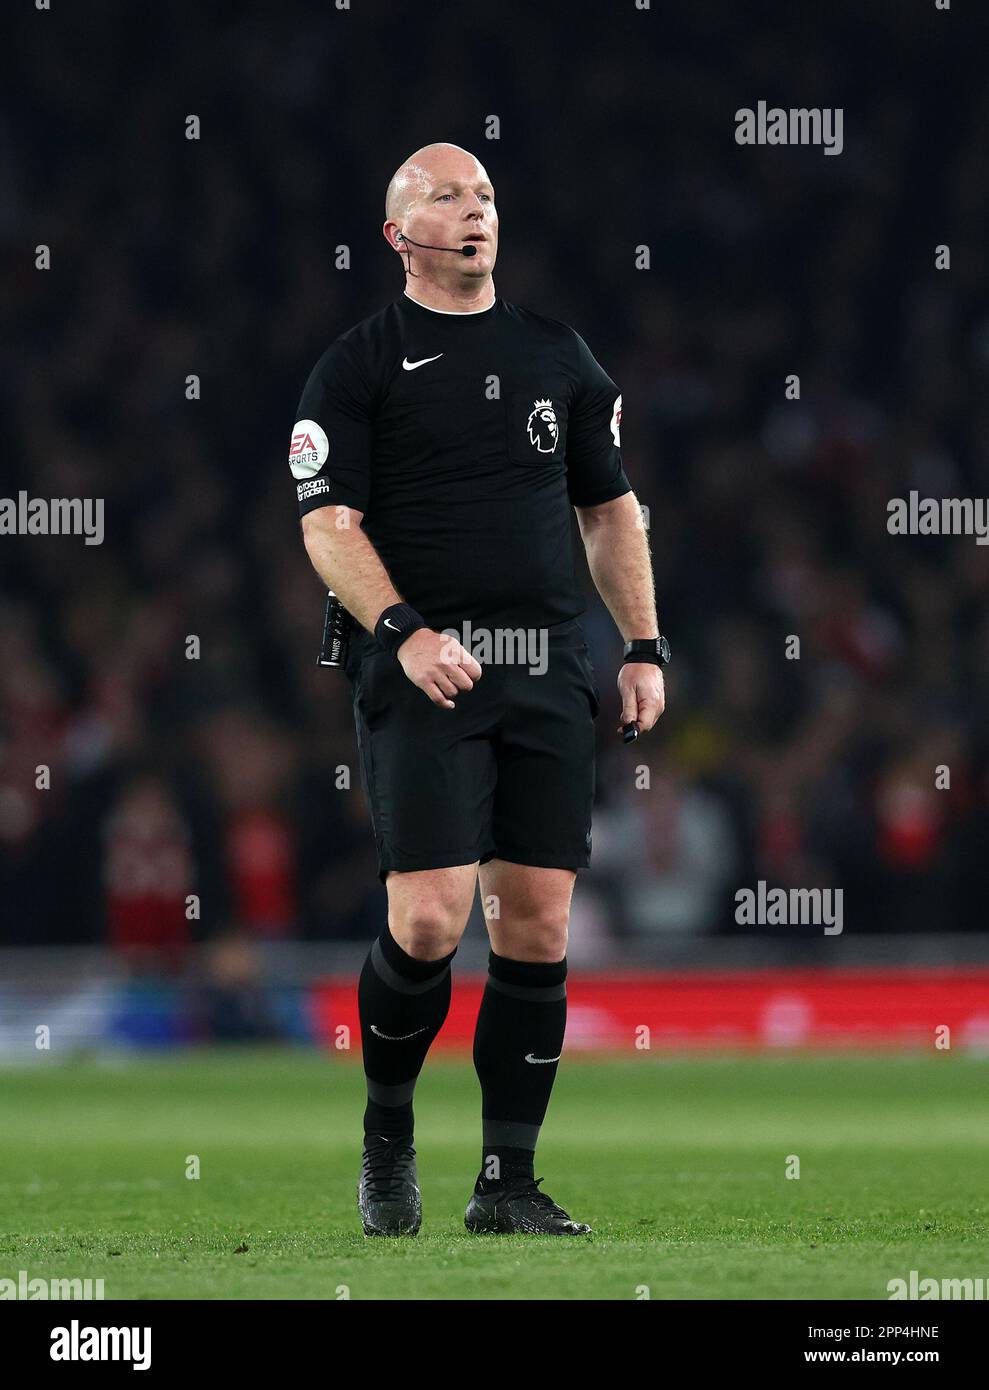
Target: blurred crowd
{"x": 200, "y": 790}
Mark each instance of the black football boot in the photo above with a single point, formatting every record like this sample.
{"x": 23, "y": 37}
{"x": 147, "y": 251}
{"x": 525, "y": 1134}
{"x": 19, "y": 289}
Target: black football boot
{"x": 518, "y": 1205}
{"x": 388, "y": 1195}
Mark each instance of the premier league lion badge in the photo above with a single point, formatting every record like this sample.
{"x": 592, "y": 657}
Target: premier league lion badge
{"x": 543, "y": 427}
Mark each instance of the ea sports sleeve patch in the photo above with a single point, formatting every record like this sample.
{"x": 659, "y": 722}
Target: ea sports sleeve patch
{"x": 330, "y": 449}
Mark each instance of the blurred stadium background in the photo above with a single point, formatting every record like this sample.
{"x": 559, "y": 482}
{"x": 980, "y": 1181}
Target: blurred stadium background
{"x": 219, "y": 777}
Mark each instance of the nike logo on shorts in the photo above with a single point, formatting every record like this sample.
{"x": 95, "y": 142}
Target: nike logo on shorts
{"x": 388, "y": 1038}
{"x": 411, "y": 366}
{"x": 529, "y": 1058}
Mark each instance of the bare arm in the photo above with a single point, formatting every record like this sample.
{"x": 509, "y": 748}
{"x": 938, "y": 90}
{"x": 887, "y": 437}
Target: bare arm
{"x": 347, "y": 562}
{"x": 618, "y": 557}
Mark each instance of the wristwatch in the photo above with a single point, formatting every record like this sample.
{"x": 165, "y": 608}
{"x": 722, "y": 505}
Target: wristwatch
{"x": 654, "y": 649}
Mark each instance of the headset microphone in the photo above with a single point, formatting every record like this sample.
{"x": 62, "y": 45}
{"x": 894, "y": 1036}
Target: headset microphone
{"x": 457, "y": 250}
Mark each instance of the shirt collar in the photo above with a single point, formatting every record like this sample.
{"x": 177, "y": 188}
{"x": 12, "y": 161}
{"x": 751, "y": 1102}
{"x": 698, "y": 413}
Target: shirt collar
{"x": 450, "y": 313}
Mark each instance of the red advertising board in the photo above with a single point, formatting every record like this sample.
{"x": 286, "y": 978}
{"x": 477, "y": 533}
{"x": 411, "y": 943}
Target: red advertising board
{"x": 752, "y": 1009}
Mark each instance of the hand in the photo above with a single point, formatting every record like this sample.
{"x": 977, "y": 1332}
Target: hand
{"x": 438, "y": 665}
{"x": 640, "y": 684}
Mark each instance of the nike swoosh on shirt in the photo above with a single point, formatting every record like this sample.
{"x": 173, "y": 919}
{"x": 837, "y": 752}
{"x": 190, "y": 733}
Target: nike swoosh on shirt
{"x": 388, "y": 1038}
{"x": 411, "y": 366}
{"x": 529, "y": 1058}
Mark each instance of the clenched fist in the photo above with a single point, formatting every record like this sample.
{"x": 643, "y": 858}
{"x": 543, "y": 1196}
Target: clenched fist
{"x": 438, "y": 665}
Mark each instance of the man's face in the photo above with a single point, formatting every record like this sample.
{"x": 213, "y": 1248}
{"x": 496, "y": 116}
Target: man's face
{"x": 454, "y": 206}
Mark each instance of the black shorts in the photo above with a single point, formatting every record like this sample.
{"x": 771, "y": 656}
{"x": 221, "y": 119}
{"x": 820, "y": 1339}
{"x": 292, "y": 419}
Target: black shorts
{"x": 509, "y": 773}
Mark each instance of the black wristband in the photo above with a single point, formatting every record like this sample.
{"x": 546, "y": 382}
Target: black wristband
{"x": 395, "y": 624}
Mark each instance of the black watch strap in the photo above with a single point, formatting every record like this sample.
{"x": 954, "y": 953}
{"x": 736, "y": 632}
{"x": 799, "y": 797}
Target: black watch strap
{"x": 654, "y": 649}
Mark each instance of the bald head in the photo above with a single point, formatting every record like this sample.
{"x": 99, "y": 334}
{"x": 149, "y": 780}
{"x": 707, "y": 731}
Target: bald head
{"x": 437, "y": 201}
{"x": 429, "y": 166}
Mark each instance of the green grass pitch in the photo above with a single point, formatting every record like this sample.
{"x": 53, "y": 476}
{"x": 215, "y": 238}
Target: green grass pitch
{"x": 678, "y": 1163}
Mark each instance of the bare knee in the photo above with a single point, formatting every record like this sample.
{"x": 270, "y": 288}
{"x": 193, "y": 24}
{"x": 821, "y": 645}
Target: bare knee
{"x": 426, "y": 933}
{"x": 427, "y": 922}
{"x": 537, "y": 934}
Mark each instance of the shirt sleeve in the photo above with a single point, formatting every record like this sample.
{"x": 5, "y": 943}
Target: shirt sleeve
{"x": 330, "y": 452}
{"x": 594, "y": 455}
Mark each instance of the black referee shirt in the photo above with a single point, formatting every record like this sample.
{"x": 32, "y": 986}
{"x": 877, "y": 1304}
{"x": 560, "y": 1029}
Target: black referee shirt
{"x": 464, "y": 439}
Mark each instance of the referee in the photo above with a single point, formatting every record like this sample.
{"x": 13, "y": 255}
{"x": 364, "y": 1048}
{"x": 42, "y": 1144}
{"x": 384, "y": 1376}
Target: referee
{"x": 439, "y": 447}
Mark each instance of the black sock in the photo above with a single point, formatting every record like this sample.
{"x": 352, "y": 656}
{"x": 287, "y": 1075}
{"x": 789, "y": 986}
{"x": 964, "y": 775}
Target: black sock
{"x": 523, "y": 1015}
{"x": 406, "y": 1001}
